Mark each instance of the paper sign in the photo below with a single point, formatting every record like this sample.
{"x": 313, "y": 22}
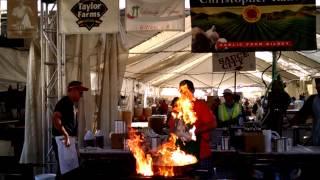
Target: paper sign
{"x": 237, "y": 61}
{"x": 147, "y": 15}
{"x": 68, "y": 156}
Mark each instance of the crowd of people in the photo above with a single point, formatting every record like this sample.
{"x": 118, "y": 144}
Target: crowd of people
{"x": 231, "y": 111}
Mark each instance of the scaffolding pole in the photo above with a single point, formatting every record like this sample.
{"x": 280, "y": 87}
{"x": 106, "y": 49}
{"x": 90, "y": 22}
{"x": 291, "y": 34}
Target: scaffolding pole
{"x": 43, "y": 89}
{"x": 52, "y": 72}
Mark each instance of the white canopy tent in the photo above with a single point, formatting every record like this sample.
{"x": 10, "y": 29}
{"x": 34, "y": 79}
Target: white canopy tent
{"x": 156, "y": 59}
{"x": 164, "y": 59}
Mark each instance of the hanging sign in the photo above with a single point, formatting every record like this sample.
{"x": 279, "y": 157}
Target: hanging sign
{"x": 236, "y": 61}
{"x": 253, "y": 25}
{"x": 89, "y": 16}
{"x": 146, "y": 15}
{"x": 22, "y": 18}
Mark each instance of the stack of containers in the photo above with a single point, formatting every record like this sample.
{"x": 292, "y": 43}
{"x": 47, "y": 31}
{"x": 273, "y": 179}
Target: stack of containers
{"x": 120, "y": 130}
{"x": 138, "y": 113}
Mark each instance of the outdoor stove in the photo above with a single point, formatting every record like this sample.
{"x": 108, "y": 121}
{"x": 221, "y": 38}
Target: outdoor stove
{"x": 167, "y": 160}
{"x": 140, "y": 177}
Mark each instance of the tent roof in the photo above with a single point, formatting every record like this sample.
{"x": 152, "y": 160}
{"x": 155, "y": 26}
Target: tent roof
{"x": 165, "y": 59}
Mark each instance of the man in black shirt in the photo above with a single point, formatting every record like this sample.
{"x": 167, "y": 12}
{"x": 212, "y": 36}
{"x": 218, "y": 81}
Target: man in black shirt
{"x": 65, "y": 121}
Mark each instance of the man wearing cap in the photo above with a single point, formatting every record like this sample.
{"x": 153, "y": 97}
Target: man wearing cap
{"x": 311, "y": 108}
{"x": 65, "y": 121}
{"x": 204, "y": 124}
{"x": 229, "y": 112}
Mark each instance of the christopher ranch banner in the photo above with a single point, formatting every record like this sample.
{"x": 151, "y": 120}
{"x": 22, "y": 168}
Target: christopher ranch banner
{"x": 150, "y": 15}
{"x": 22, "y": 18}
{"x": 253, "y": 25}
{"x": 89, "y": 16}
{"x": 237, "y": 61}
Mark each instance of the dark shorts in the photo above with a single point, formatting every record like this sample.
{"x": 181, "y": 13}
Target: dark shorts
{"x": 205, "y": 168}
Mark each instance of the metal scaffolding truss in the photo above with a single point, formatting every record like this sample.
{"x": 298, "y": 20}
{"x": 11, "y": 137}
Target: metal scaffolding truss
{"x": 52, "y": 71}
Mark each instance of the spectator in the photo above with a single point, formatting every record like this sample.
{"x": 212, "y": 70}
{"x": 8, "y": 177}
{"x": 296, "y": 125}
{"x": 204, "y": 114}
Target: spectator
{"x": 229, "y": 112}
{"x": 215, "y": 104}
{"x": 163, "y": 109}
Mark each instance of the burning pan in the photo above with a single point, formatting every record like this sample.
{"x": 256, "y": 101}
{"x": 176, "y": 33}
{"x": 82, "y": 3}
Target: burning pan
{"x": 177, "y": 170}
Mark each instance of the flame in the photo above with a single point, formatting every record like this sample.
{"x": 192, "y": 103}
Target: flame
{"x": 193, "y": 134}
{"x": 168, "y": 155}
{"x": 187, "y": 113}
{"x": 180, "y": 158}
{"x": 166, "y": 171}
{"x": 143, "y": 161}
{"x": 171, "y": 155}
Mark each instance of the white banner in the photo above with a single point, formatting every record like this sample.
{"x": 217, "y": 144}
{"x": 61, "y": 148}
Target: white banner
{"x": 237, "y": 61}
{"x": 22, "y": 18}
{"x": 150, "y": 15}
{"x": 89, "y": 16}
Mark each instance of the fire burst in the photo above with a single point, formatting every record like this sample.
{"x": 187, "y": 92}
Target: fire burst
{"x": 143, "y": 161}
{"x": 187, "y": 114}
{"x": 186, "y": 111}
{"x": 168, "y": 155}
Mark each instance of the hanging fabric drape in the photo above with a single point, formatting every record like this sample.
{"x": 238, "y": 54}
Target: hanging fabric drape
{"x": 105, "y": 56}
{"x": 114, "y": 62}
{"x": 33, "y": 142}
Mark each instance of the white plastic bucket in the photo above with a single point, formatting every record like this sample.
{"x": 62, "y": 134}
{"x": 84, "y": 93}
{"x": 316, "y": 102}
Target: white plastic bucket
{"x": 45, "y": 177}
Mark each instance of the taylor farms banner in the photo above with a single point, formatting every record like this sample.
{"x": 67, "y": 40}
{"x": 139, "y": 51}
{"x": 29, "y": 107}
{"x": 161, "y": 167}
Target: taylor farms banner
{"x": 89, "y": 16}
{"x": 253, "y": 25}
{"x": 142, "y": 15}
{"x": 237, "y": 61}
{"x": 22, "y": 18}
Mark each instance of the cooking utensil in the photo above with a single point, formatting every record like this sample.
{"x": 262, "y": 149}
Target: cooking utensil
{"x": 177, "y": 170}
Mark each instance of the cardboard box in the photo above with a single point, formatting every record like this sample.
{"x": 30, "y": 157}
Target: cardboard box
{"x": 117, "y": 141}
{"x": 253, "y": 142}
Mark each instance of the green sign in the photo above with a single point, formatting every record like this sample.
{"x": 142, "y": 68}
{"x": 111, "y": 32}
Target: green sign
{"x": 253, "y": 25}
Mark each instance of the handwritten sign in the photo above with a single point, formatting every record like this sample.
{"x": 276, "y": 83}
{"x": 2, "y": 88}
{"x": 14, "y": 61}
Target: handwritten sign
{"x": 237, "y": 61}
{"x": 149, "y": 15}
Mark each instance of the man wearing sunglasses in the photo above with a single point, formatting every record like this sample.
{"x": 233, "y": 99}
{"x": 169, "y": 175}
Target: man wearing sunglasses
{"x": 65, "y": 116}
